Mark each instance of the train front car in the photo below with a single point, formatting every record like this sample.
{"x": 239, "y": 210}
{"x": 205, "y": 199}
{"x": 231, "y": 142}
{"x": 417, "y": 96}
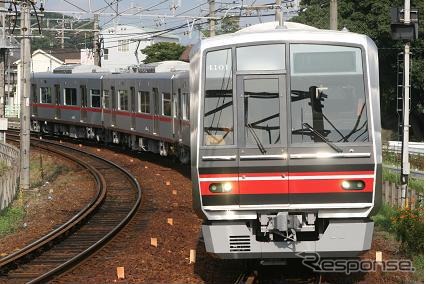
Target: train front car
{"x": 285, "y": 141}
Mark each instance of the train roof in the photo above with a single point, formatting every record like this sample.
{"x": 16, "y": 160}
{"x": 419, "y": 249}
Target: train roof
{"x": 162, "y": 75}
{"x": 290, "y": 32}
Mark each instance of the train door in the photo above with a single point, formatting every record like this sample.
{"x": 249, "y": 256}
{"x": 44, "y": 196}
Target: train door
{"x": 179, "y": 112}
{"x": 34, "y": 99}
{"x": 263, "y": 163}
{"x": 133, "y": 107}
{"x": 83, "y": 109}
{"x": 113, "y": 107}
{"x": 156, "y": 99}
{"x": 57, "y": 90}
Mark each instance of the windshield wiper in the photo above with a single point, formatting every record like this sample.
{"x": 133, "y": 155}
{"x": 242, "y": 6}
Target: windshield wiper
{"x": 329, "y": 143}
{"x": 256, "y": 138}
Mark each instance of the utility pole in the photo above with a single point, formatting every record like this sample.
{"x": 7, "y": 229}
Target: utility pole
{"x": 278, "y": 13}
{"x": 212, "y": 22}
{"x": 333, "y": 15}
{"x": 3, "y": 62}
{"x": 96, "y": 42}
{"x": 25, "y": 94}
{"x": 405, "y": 163}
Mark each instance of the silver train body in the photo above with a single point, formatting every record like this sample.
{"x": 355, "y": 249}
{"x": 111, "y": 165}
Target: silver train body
{"x": 142, "y": 111}
{"x": 285, "y": 142}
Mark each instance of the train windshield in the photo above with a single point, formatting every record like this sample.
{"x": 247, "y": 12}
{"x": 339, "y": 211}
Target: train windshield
{"x": 327, "y": 94}
{"x": 218, "y": 99}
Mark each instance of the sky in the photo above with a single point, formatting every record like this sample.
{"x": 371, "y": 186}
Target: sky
{"x": 142, "y": 8}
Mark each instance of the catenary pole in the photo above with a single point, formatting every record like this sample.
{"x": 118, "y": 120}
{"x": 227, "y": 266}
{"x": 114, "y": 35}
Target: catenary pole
{"x": 278, "y": 12}
{"x": 96, "y": 43}
{"x": 25, "y": 95}
{"x": 212, "y": 22}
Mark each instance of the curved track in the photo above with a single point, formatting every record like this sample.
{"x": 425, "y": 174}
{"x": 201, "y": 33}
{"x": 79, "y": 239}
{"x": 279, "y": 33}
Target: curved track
{"x": 117, "y": 200}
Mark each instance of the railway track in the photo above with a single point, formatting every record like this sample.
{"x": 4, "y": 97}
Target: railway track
{"x": 116, "y": 201}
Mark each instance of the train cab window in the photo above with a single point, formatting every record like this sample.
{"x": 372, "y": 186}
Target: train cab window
{"x": 167, "y": 104}
{"x": 144, "y": 101}
{"x": 261, "y": 111}
{"x": 95, "y": 98}
{"x": 70, "y": 95}
{"x": 261, "y": 57}
{"x": 45, "y": 95}
{"x": 106, "y": 99}
{"x": 218, "y": 125}
{"x": 123, "y": 99}
{"x": 185, "y": 106}
{"x": 328, "y": 100}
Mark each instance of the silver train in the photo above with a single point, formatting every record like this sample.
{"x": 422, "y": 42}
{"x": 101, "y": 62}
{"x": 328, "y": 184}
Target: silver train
{"x": 285, "y": 142}
{"x": 284, "y": 136}
{"x": 141, "y": 111}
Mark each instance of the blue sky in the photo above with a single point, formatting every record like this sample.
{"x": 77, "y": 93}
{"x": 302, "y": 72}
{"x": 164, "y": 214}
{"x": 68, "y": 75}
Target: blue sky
{"x": 162, "y": 7}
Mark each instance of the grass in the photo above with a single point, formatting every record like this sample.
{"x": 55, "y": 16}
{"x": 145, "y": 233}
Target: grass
{"x": 418, "y": 262}
{"x": 43, "y": 168}
{"x": 394, "y": 159}
{"x": 11, "y": 219}
{"x": 392, "y": 177}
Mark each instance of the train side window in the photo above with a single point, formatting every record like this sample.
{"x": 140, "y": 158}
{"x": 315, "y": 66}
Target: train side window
{"x": 106, "y": 99}
{"x": 45, "y": 95}
{"x": 218, "y": 99}
{"x": 95, "y": 98}
{"x": 144, "y": 102}
{"x": 167, "y": 104}
{"x": 123, "y": 99}
{"x": 70, "y": 95}
{"x": 185, "y": 106}
{"x": 34, "y": 93}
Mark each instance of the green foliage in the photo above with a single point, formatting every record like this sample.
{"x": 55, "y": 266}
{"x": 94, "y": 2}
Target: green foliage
{"x": 372, "y": 17}
{"x": 3, "y": 167}
{"x": 227, "y": 25}
{"x": 383, "y": 219}
{"x": 10, "y": 219}
{"x": 393, "y": 177}
{"x": 162, "y": 51}
{"x": 419, "y": 265}
{"x": 408, "y": 226}
{"x": 392, "y": 158}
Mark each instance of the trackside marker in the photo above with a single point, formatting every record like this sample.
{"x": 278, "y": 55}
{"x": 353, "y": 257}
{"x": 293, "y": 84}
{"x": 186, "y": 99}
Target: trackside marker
{"x": 120, "y": 272}
{"x": 174, "y": 192}
{"x": 98, "y": 150}
{"x": 170, "y": 221}
{"x": 167, "y": 182}
{"x": 379, "y": 256}
{"x": 192, "y": 255}
{"x": 146, "y": 167}
{"x": 154, "y": 242}
{"x": 79, "y": 145}
{"x": 131, "y": 160}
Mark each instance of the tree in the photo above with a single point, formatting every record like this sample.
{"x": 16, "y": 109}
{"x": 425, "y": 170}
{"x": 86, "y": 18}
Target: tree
{"x": 162, "y": 51}
{"x": 228, "y": 24}
{"x": 372, "y": 17}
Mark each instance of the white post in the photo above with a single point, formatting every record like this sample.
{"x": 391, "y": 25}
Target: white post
{"x": 405, "y": 163}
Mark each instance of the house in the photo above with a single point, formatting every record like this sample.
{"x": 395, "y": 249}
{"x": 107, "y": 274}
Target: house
{"x": 45, "y": 60}
{"x": 122, "y": 45}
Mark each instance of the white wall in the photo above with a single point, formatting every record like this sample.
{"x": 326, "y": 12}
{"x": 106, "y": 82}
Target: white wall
{"x": 40, "y": 63}
{"x": 123, "y": 55}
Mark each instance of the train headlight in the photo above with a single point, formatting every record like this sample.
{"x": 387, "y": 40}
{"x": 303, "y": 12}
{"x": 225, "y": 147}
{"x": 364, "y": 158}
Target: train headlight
{"x": 353, "y": 184}
{"x": 220, "y": 187}
{"x": 227, "y": 187}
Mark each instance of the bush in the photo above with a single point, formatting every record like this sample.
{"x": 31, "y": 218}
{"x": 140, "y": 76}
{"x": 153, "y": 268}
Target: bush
{"x": 384, "y": 217}
{"x": 408, "y": 227}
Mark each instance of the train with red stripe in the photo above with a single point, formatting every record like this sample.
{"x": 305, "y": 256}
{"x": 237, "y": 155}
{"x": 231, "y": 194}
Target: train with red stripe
{"x": 142, "y": 111}
{"x": 281, "y": 125}
{"x": 285, "y": 142}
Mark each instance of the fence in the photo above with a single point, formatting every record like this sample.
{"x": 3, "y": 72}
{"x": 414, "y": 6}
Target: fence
{"x": 10, "y": 177}
{"x": 391, "y": 195}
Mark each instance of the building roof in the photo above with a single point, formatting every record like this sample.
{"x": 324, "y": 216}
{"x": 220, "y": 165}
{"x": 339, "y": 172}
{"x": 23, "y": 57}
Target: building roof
{"x": 63, "y": 54}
